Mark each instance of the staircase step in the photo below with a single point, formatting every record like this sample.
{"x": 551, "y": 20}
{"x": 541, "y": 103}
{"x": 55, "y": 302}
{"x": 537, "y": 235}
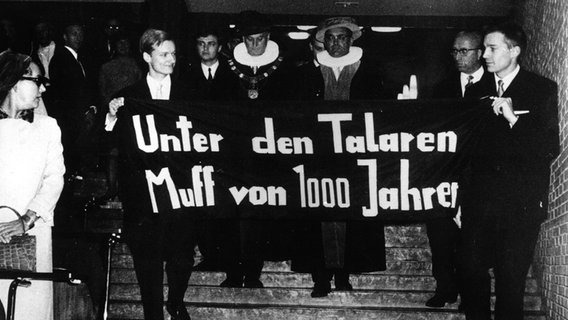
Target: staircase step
{"x": 403, "y": 236}
{"x": 133, "y": 311}
{"x": 301, "y": 297}
{"x": 392, "y": 254}
{"x": 412, "y": 236}
{"x": 365, "y": 281}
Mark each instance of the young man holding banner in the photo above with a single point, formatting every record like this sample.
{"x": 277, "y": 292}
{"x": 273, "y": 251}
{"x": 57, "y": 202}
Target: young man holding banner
{"x": 507, "y": 198}
{"x": 165, "y": 236}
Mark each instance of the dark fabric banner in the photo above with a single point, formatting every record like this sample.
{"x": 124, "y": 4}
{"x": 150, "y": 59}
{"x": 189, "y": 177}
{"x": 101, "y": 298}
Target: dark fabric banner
{"x": 389, "y": 160}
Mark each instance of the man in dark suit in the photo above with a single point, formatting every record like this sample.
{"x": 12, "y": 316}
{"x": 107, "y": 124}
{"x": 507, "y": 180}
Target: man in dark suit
{"x": 71, "y": 97}
{"x": 168, "y": 236}
{"x": 334, "y": 249}
{"x": 211, "y": 79}
{"x": 506, "y": 199}
{"x": 466, "y": 53}
{"x": 443, "y": 233}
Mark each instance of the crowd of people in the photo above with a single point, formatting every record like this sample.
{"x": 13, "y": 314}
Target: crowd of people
{"x": 504, "y": 202}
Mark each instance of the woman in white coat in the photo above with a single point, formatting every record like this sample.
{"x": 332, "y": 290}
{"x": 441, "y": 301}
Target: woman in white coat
{"x": 31, "y": 175}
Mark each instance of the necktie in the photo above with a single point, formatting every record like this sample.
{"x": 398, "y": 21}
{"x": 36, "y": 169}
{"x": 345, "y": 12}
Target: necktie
{"x": 469, "y": 81}
{"x": 468, "y": 84}
{"x": 159, "y": 92}
{"x": 500, "y": 89}
{"x": 210, "y": 77}
{"x": 81, "y": 65}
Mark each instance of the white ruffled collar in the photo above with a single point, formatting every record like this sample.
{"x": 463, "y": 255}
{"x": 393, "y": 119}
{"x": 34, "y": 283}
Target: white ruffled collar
{"x": 354, "y": 55}
{"x": 270, "y": 55}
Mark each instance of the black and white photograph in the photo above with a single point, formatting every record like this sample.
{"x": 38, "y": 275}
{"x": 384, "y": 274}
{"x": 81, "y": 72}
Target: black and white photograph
{"x": 283, "y": 160}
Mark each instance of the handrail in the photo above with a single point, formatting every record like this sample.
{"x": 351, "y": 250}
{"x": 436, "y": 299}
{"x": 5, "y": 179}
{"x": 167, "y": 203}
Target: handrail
{"x": 23, "y": 279}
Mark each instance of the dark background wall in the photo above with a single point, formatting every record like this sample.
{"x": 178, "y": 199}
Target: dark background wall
{"x": 421, "y": 47}
{"x": 546, "y": 24}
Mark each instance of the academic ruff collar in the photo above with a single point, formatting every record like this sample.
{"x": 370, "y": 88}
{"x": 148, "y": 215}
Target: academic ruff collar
{"x": 354, "y": 55}
{"x": 270, "y": 55}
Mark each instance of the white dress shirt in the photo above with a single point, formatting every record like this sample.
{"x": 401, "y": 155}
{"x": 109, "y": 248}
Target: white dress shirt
{"x": 45, "y": 54}
{"x": 506, "y": 79}
{"x": 213, "y": 68}
{"x": 476, "y": 77}
{"x": 159, "y": 90}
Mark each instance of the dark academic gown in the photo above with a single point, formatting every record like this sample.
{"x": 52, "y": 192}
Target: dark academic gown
{"x": 367, "y": 84}
{"x": 274, "y": 86}
{"x": 507, "y": 197}
{"x": 364, "y": 243}
{"x": 154, "y": 238}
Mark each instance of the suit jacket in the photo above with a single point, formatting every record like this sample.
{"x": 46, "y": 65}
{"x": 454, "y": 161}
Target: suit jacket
{"x": 224, "y": 85}
{"x": 451, "y": 86}
{"x": 140, "y": 90}
{"x": 70, "y": 94}
{"x": 135, "y": 211}
{"x": 367, "y": 84}
{"x": 511, "y": 166}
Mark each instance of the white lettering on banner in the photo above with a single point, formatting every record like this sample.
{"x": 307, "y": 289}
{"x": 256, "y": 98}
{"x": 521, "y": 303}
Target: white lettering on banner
{"x": 401, "y": 199}
{"x": 335, "y": 119}
{"x": 274, "y": 196}
{"x": 187, "y": 141}
{"x": 390, "y": 142}
{"x": 314, "y": 193}
{"x": 285, "y": 145}
{"x": 200, "y": 194}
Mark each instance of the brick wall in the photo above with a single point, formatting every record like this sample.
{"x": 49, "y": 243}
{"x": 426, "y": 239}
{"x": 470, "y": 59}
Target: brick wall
{"x": 546, "y": 24}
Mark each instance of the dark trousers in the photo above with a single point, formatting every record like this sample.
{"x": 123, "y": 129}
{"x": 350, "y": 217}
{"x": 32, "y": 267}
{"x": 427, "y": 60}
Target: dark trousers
{"x": 332, "y": 260}
{"x": 245, "y": 249}
{"x": 504, "y": 241}
{"x": 322, "y": 277}
{"x": 443, "y": 235}
{"x": 253, "y": 241}
{"x": 170, "y": 238}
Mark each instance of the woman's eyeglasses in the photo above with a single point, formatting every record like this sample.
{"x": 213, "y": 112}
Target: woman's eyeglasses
{"x": 39, "y": 80}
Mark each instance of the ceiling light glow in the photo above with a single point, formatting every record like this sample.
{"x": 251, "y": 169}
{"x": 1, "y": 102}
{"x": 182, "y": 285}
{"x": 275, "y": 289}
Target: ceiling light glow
{"x": 386, "y": 29}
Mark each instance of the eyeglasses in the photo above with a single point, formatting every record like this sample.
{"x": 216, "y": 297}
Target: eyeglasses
{"x": 339, "y": 37}
{"x": 39, "y": 81}
{"x": 462, "y": 51}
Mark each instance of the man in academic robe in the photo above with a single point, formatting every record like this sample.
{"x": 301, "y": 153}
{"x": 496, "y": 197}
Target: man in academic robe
{"x": 257, "y": 61}
{"x": 335, "y": 249}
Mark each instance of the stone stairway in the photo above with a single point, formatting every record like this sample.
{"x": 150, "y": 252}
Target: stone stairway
{"x": 397, "y": 293}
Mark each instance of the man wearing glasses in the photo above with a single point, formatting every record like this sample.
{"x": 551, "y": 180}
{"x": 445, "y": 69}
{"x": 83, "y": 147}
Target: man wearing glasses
{"x": 466, "y": 52}
{"x": 443, "y": 232}
{"x": 334, "y": 249}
